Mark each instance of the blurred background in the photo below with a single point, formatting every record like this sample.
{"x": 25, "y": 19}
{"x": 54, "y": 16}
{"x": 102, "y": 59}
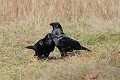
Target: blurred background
{"x": 45, "y": 10}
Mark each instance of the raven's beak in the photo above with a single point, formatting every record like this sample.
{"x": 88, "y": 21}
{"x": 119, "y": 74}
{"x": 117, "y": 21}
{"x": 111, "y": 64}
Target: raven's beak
{"x": 51, "y": 24}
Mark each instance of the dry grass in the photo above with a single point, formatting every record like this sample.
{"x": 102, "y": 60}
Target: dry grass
{"x": 94, "y": 23}
{"x": 44, "y": 10}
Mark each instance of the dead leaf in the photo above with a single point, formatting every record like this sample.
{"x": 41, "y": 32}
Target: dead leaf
{"x": 114, "y": 78}
{"x": 90, "y": 76}
{"x": 93, "y": 76}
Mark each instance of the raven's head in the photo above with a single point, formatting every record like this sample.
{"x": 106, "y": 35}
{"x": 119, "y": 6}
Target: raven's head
{"x": 49, "y": 39}
{"x": 56, "y": 25}
{"x": 48, "y": 36}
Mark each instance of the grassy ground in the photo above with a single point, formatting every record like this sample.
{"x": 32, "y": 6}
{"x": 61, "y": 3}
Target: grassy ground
{"x": 94, "y": 23}
{"x": 102, "y": 37}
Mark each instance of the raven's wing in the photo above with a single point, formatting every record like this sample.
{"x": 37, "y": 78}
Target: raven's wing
{"x": 39, "y": 44}
{"x": 71, "y": 44}
{"x": 68, "y": 42}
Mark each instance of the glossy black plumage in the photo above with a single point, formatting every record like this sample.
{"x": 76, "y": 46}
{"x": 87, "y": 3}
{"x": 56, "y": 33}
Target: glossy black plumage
{"x": 63, "y": 42}
{"x": 43, "y": 47}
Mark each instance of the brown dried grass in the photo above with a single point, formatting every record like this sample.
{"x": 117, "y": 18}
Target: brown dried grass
{"x": 48, "y": 10}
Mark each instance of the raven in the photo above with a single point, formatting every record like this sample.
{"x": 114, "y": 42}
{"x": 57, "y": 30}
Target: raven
{"x": 63, "y": 42}
{"x": 43, "y": 47}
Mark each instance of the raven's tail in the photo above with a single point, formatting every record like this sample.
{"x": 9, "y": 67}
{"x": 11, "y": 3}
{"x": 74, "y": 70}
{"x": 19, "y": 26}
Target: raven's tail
{"x": 82, "y": 48}
{"x": 30, "y": 47}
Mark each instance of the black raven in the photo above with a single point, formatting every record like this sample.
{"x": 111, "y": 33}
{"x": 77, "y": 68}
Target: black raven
{"x": 43, "y": 47}
{"x": 63, "y": 42}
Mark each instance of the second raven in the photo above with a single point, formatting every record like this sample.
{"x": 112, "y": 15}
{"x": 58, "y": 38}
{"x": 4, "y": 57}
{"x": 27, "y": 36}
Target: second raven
{"x": 63, "y": 42}
{"x": 43, "y": 47}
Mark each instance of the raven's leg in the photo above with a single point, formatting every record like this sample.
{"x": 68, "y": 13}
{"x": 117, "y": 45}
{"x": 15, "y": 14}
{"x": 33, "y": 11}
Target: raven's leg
{"x": 63, "y": 54}
{"x": 46, "y": 55}
{"x": 36, "y": 54}
{"x": 43, "y": 57}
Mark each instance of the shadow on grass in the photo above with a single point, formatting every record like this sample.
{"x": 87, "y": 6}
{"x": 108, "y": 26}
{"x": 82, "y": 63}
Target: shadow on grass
{"x": 68, "y": 55}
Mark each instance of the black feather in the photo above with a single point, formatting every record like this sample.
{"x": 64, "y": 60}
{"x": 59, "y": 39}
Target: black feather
{"x": 63, "y": 42}
{"x": 30, "y": 47}
{"x": 43, "y": 47}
